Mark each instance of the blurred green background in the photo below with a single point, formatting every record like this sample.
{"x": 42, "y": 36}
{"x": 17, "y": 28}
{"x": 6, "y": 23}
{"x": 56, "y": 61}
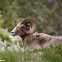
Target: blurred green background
{"x": 47, "y": 13}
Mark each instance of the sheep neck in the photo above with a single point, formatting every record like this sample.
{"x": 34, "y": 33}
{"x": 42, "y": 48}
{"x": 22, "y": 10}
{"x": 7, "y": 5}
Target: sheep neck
{"x": 23, "y": 37}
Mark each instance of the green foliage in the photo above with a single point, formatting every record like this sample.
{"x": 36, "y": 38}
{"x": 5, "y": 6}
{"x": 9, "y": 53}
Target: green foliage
{"x": 4, "y": 35}
{"x": 48, "y": 14}
{"x": 53, "y": 54}
{"x": 48, "y": 55}
{"x": 11, "y": 56}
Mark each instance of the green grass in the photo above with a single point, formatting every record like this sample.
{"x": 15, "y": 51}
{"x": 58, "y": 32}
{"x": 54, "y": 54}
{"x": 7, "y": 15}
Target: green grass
{"x": 48, "y": 55}
{"x": 13, "y": 56}
{"x": 52, "y": 55}
{"x": 10, "y": 56}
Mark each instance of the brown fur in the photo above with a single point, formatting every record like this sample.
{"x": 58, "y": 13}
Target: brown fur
{"x": 40, "y": 41}
{"x": 35, "y": 41}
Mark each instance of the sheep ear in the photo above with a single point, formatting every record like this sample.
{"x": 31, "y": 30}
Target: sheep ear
{"x": 20, "y": 20}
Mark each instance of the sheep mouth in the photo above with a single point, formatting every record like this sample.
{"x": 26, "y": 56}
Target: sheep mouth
{"x": 13, "y": 34}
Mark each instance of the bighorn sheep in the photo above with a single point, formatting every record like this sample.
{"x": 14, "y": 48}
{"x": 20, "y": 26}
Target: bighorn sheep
{"x": 26, "y": 28}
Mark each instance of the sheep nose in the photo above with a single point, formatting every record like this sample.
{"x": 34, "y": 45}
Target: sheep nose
{"x": 12, "y": 32}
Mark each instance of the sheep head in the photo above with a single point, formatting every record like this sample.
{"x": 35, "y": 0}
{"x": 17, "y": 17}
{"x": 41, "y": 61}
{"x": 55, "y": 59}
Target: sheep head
{"x": 25, "y": 26}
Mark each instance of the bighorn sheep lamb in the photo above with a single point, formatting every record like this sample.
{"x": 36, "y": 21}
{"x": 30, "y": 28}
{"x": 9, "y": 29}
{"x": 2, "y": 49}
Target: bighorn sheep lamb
{"x": 26, "y": 28}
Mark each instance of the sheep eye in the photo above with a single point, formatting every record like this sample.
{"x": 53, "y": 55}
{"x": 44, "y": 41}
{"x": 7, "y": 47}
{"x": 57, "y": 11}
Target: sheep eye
{"x": 22, "y": 27}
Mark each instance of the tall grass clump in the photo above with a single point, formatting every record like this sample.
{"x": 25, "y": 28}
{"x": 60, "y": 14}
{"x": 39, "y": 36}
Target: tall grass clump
{"x": 14, "y": 56}
{"x": 47, "y": 55}
{"x": 52, "y": 54}
{"x": 8, "y": 41}
{"x": 11, "y": 56}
